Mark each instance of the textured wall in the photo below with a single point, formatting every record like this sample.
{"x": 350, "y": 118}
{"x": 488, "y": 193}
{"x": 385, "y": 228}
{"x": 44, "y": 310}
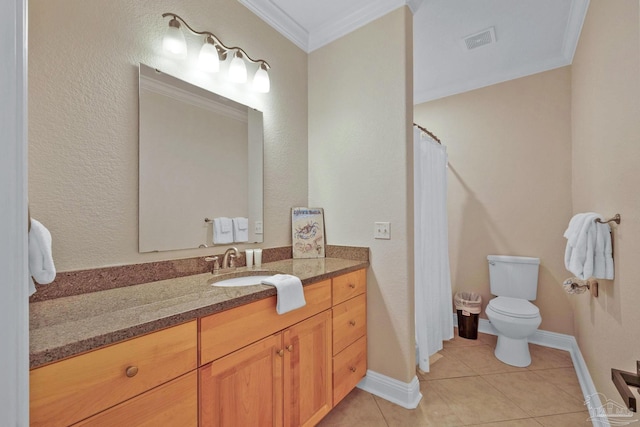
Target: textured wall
{"x": 83, "y": 118}
{"x": 606, "y": 179}
{"x": 360, "y": 157}
{"x": 509, "y": 151}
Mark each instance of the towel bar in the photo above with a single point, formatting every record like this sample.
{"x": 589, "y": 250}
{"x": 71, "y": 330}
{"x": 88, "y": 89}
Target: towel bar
{"x": 616, "y": 219}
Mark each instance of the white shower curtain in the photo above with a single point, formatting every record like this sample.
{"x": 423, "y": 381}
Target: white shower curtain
{"x": 434, "y": 320}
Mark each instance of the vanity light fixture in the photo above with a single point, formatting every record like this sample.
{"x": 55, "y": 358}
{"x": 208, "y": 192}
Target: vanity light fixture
{"x": 173, "y": 41}
{"x": 237, "y": 69}
{"x": 213, "y": 51}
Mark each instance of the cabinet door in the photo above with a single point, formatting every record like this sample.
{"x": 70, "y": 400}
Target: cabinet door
{"x": 307, "y": 371}
{"x": 174, "y": 404}
{"x": 245, "y": 387}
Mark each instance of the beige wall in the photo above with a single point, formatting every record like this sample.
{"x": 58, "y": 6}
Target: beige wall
{"x": 360, "y": 99}
{"x": 509, "y": 151}
{"x": 606, "y": 179}
{"x": 83, "y": 119}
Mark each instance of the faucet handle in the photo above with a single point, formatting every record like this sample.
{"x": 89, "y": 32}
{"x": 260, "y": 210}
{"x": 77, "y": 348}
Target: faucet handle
{"x": 232, "y": 261}
{"x": 216, "y": 263}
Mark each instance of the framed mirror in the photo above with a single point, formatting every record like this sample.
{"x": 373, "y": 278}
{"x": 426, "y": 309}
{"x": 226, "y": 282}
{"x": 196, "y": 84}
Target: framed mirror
{"x": 200, "y": 159}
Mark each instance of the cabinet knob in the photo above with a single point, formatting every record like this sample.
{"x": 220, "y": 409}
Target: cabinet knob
{"x": 352, "y": 369}
{"x": 352, "y": 285}
{"x": 290, "y": 348}
{"x": 280, "y": 352}
{"x": 131, "y": 371}
{"x": 352, "y": 322}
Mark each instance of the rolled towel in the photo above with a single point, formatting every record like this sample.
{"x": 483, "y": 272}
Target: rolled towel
{"x": 289, "y": 290}
{"x": 41, "y": 266}
{"x": 222, "y": 230}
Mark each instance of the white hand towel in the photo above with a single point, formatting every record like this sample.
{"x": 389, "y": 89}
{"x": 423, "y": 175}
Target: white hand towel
{"x": 41, "y": 265}
{"x": 588, "y": 251}
{"x": 222, "y": 230}
{"x": 240, "y": 229}
{"x": 603, "y": 263}
{"x": 571, "y": 234}
{"x": 290, "y": 293}
{"x": 582, "y": 254}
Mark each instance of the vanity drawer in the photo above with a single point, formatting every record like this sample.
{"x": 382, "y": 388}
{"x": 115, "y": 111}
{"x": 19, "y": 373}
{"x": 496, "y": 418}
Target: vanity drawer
{"x": 224, "y": 332}
{"x": 349, "y": 367}
{"x": 73, "y": 389}
{"x": 349, "y": 322}
{"x": 174, "y": 404}
{"x": 349, "y": 285}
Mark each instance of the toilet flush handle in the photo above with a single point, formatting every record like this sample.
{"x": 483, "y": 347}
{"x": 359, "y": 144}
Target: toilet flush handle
{"x": 492, "y": 263}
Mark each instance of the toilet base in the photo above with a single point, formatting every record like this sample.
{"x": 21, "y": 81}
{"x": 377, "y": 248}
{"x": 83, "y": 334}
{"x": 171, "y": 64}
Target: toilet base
{"x": 513, "y": 351}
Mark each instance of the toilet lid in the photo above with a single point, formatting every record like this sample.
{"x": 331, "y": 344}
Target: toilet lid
{"x": 514, "y": 307}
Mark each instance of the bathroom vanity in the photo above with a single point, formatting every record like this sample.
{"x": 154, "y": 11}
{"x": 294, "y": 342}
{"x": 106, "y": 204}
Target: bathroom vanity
{"x": 208, "y": 356}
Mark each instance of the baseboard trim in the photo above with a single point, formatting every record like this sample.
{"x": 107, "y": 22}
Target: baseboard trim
{"x": 406, "y": 395}
{"x": 566, "y": 343}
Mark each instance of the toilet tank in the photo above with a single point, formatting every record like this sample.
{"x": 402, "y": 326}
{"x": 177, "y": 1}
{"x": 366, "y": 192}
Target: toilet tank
{"x": 514, "y": 276}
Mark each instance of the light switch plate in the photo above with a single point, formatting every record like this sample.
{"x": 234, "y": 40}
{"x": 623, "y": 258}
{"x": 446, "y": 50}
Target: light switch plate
{"x": 257, "y": 228}
{"x": 382, "y": 230}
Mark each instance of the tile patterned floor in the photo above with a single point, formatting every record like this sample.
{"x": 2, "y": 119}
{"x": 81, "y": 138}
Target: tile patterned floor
{"x": 469, "y": 386}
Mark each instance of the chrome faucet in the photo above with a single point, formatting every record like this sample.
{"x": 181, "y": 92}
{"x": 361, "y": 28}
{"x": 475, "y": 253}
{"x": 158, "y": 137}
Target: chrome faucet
{"x": 229, "y": 258}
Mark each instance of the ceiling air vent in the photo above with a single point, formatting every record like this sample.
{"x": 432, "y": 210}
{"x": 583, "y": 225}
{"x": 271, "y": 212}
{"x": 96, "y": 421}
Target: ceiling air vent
{"x": 482, "y": 38}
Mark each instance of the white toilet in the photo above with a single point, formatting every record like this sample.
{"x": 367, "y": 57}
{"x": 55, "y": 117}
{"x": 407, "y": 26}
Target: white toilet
{"x": 514, "y": 281}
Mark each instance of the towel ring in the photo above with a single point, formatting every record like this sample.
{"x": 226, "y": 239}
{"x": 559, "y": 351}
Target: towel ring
{"x": 616, "y": 219}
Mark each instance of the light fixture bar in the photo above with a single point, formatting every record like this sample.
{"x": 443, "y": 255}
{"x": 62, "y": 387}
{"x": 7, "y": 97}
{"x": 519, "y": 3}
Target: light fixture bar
{"x": 221, "y": 47}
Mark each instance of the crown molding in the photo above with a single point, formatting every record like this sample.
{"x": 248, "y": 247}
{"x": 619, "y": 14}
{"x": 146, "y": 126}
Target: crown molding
{"x": 347, "y": 23}
{"x": 577, "y": 15}
{"x": 279, "y": 20}
{"x": 565, "y": 57}
{"x": 323, "y": 35}
{"x": 458, "y": 87}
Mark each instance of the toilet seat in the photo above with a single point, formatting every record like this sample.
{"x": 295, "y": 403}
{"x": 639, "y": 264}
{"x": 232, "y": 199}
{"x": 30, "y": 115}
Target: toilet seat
{"x": 514, "y": 307}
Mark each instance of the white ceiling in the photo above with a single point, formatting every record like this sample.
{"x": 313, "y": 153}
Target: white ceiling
{"x": 531, "y": 36}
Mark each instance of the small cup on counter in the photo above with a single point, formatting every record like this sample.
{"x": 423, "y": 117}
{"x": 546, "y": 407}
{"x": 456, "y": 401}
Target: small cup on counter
{"x": 248, "y": 254}
{"x": 257, "y": 254}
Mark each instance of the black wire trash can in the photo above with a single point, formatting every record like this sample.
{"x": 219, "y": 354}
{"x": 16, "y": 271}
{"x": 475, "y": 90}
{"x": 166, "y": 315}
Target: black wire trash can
{"x": 468, "y": 306}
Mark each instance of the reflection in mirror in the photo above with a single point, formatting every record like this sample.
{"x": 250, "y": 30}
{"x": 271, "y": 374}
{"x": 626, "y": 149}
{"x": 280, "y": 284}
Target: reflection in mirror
{"x": 200, "y": 157}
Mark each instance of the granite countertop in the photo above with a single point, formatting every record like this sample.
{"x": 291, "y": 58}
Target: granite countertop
{"x": 68, "y": 326}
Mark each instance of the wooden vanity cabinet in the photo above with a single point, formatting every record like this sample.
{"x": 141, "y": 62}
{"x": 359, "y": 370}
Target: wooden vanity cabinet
{"x": 283, "y": 379}
{"x": 349, "y": 326}
{"x": 246, "y": 366}
{"x": 71, "y": 390}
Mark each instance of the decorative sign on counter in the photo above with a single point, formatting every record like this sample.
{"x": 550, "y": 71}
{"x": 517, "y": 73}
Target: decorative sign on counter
{"x": 307, "y": 229}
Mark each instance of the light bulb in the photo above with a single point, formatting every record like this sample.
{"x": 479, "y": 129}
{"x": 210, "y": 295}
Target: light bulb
{"x": 174, "y": 41}
{"x": 208, "y": 59}
{"x": 261, "y": 81}
{"x": 237, "y": 69}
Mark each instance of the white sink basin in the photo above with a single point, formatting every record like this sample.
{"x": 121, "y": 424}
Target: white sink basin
{"x": 241, "y": 281}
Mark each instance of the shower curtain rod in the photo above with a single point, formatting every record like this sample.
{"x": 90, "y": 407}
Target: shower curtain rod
{"x": 425, "y": 130}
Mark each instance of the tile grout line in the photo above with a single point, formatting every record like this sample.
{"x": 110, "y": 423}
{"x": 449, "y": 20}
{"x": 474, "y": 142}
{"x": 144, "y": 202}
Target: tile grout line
{"x": 384, "y": 418}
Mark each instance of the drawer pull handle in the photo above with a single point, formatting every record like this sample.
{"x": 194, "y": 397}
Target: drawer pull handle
{"x": 280, "y": 352}
{"x": 353, "y": 369}
{"x": 131, "y": 371}
{"x": 352, "y": 285}
{"x": 290, "y": 348}
{"x": 352, "y": 322}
